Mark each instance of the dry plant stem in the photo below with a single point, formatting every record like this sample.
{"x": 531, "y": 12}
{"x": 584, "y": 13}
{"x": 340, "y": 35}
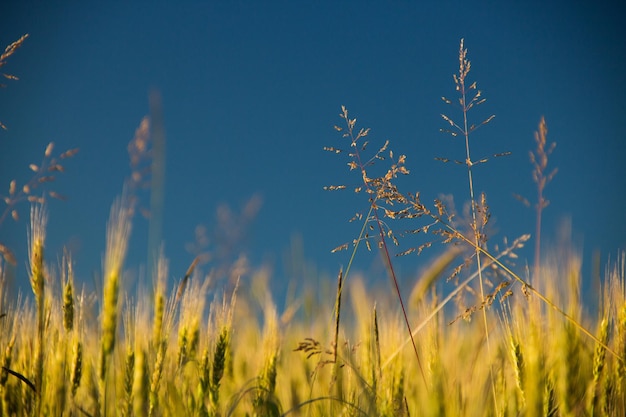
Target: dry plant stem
{"x": 473, "y": 201}
{"x": 379, "y": 225}
{"x": 392, "y": 273}
{"x": 464, "y": 69}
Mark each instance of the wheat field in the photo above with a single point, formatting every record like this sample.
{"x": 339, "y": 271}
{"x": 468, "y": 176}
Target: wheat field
{"x": 498, "y": 341}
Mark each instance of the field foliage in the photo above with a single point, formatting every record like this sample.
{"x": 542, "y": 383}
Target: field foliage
{"x": 476, "y": 336}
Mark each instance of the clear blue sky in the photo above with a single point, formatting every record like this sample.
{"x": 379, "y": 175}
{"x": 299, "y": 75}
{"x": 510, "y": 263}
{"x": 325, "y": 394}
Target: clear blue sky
{"x": 251, "y": 91}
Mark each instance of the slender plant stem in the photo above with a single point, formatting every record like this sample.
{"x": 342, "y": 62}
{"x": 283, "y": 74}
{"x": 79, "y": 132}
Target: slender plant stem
{"x": 383, "y": 240}
{"x": 477, "y": 243}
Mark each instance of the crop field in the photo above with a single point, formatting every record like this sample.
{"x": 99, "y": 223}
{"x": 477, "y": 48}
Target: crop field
{"x": 502, "y": 340}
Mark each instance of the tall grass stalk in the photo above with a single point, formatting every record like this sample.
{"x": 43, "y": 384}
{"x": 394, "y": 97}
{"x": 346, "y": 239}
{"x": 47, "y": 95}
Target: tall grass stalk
{"x": 377, "y": 189}
{"x": 471, "y": 97}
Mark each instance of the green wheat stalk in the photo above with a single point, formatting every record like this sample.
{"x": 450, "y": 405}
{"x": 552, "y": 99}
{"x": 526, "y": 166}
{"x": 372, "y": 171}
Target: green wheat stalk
{"x": 118, "y": 233}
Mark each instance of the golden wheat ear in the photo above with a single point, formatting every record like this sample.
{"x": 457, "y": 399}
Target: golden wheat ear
{"x": 118, "y": 234}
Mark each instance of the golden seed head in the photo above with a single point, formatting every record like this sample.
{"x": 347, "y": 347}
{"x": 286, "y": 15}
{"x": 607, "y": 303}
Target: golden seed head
{"x": 49, "y": 149}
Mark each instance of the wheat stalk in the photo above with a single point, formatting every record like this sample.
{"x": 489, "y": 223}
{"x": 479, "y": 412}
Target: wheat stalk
{"x": 118, "y": 233}
{"x": 39, "y": 219}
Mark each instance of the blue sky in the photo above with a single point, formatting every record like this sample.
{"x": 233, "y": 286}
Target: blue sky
{"x": 251, "y": 91}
